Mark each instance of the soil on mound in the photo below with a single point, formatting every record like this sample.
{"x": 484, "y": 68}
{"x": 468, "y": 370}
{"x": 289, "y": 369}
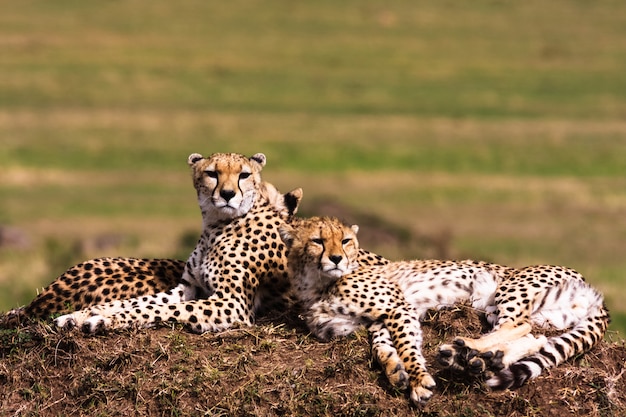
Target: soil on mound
{"x": 274, "y": 369}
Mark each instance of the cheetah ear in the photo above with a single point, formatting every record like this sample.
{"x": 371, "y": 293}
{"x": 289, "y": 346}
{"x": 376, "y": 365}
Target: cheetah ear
{"x": 292, "y": 200}
{"x": 355, "y": 228}
{"x": 259, "y": 158}
{"x": 193, "y": 158}
{"x": 286, "y": 233}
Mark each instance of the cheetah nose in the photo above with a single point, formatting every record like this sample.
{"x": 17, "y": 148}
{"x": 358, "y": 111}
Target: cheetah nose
{"x": 335, "y": 259}
{"x": 227, "y": 194}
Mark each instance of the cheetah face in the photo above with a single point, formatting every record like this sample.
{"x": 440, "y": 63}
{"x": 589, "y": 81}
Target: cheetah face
{"x": 323, "y": 246}
{"x": 227, "y": 183}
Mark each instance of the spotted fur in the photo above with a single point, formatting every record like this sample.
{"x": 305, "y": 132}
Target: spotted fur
{"x": 235, "y": 204}
{"x": 98, "y": 281}
{"x": 104, "y": 280}
{"x": 340, "y": 295}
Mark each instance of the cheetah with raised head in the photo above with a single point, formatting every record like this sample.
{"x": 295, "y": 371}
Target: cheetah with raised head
{"x": 104, "y": 280}
{"x": 237, "y": 267}
{"x": 339, "y": 295}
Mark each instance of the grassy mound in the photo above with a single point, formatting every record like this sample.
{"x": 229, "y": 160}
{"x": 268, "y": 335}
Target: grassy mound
{"x": 273, "y": 368}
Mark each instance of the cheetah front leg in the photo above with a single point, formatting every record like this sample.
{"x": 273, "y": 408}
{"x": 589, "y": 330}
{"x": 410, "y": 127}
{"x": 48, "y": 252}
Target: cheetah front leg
{"x": 404, "y": 327}
{"x": 116, "y": 313}
{"x": 387, "y": 357}
{"x": 213, "y": 314}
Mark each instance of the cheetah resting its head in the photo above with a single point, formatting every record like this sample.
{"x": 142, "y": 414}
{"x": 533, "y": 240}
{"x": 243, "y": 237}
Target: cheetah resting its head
{"x": 320, "y": 252}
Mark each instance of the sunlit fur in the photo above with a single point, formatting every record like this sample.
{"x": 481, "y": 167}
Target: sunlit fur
{"x": 391, "y": 298}
{"x": 238, "y": 266}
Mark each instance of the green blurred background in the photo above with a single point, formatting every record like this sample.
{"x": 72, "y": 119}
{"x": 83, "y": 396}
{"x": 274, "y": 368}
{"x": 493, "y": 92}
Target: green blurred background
{"x": 484, "y": 129}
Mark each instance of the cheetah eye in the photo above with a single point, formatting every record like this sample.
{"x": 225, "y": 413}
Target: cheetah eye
{"x": 210, "y": 174}
{"x": 244, "y": 175}
{"x": 346, "y": 241}
{"x": 317, "y": 241}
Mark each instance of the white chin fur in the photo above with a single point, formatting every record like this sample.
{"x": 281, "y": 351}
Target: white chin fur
{"x": 219, "y": 209}
{"x": 334, "y": 272}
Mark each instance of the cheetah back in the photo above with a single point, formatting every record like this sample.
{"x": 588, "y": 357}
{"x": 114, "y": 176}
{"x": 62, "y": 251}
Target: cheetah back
{"x": 102, "y": 280}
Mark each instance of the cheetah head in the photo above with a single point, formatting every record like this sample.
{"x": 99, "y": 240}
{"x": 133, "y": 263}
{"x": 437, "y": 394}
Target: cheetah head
{"x": 321, "y": 247}
{"x": 227, "y": 183}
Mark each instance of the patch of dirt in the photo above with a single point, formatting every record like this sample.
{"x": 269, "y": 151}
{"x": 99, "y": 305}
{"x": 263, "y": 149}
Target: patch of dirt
{"x": 274, "y": 369}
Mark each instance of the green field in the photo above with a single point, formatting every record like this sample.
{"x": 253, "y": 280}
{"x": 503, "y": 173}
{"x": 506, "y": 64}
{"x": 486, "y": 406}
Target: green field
{"x": 496, "y": 130}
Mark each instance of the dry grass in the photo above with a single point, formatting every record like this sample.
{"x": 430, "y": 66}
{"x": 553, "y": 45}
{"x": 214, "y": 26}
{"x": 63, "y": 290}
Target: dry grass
{"x": 272, "y": 369}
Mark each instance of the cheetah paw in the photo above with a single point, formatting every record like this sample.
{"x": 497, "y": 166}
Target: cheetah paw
{"x": 66, "y": 321}
{"x": 95, "y": 324}
{"x": 398, "y": 377}
{"x": 13, "y": 317}
{"x": 459, "y": 357}
{"x": 422, "y": 391}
